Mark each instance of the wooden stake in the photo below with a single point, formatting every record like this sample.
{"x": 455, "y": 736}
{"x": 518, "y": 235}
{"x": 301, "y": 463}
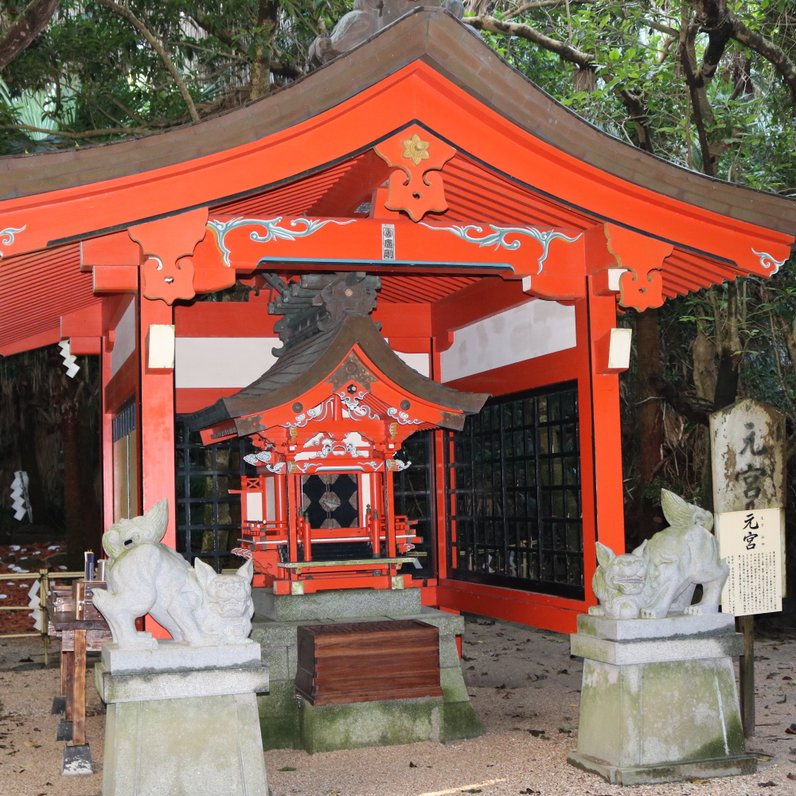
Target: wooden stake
{"x": 746, "y": 625}
{"x": 79, "y": 690}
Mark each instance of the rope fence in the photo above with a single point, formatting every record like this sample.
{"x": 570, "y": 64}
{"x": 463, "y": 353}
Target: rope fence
{"x": 43, "y": 577}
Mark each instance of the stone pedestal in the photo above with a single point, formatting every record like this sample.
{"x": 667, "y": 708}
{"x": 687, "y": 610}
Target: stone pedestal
{"x": 659, "y": 701}
{"x": 182, "y": 720}
{"x": 288, "y": 722}
{"x": 326, "y": 728}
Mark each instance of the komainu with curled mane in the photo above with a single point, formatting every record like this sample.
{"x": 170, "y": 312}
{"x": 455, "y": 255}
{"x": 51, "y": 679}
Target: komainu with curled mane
{"x": 196, "y": 606}
{"x": 659, "y": 577}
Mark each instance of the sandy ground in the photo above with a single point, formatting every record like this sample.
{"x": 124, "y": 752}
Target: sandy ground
{"x": 524, "y": 686}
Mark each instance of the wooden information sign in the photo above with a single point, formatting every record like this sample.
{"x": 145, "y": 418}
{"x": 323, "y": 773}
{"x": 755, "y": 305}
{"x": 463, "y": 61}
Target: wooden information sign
{"x": 751, "y": 541}
{"x": 747, "y": 444}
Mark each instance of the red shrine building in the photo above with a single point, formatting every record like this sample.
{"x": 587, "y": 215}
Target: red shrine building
{"x": 366, "y": 328}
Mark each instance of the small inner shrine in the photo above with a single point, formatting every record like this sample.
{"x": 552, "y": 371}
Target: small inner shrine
{"x": 326, "y": 422}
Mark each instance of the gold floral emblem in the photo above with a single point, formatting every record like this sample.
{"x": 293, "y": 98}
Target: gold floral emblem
{"x": 415, "y": 149}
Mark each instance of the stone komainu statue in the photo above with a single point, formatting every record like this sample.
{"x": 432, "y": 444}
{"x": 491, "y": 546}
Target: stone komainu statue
{"x": 659, "y": 577}
{"x": 365, "y": 19}
{"x": 196, "y": 606}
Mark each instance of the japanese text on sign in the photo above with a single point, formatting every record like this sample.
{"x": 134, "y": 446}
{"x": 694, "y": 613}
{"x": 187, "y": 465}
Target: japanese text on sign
{"x": 388, "y": 241}
{"x": 751, "y": 543}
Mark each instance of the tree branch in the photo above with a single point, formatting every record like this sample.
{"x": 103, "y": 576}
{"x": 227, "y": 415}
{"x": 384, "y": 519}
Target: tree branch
{"x": 159, "y": 48}
{"x": 788, "y": 331}
{"x": 267, "y": 18}
{"x": 568, "y": 53}
{"x": 661, "y": 28}
{"x": 205, "y": 22}
{"x": 700, "y": 105}
{"x": 633, "y": 102}
{"x": 25, "y": 28}
{"x": 721, "y": 24}
{"x": 525, "y": 7}
{"x": 286, "y": 68}
{"x": 690, "y": 406}
{"x": 713, "y": 19}
{"x": 776, "y": 56}
{"x": 638, "y": 115}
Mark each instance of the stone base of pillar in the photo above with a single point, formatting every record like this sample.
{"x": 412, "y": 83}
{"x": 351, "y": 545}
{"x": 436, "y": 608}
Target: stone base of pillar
{"x": 673, "y": 772}
{"x": 77, "y": 760}
{"x": 659, "y": 701}
{"x": 183, "y": 730}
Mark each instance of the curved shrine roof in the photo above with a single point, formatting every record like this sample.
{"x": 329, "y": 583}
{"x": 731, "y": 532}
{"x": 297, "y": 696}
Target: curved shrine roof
{"x": 454, "y": 51}
{"x": 308, "y": 150}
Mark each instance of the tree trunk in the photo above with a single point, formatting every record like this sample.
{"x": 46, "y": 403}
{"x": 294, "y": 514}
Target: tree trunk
{"x": 90, "y": 477}
{"x": 267, "y": 19}
{"x": 650, "y": 419}
{"x": 727, "y": 379}
{"x": 25, "y": 29}
{"x": 643, "y": 516}
{"x": 81, "y": 504}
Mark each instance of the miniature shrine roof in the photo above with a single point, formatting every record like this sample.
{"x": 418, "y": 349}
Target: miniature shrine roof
{"x": 311, "y": 361}
{"x": 308, "y": 150}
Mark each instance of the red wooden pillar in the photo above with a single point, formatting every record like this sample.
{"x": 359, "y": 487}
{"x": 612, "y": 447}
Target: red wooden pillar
{"x": 372, "y": 517}
{"x": 442, "y": 504}
{"x": 280, "y": 500}
{"x": 389, "y": 514}
{"x": 106, "y": 420}
{"x": 293, "y": 514}
{"x": 166, "y": 273}
{"x": 157, "y": 418}
{"x": 603, "y": 507}
{"x": 441, "y": 543}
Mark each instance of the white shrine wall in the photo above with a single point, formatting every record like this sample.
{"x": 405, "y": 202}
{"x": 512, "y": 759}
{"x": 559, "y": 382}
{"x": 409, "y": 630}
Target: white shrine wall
{"x": 227, "y": 362}
{"x": 220, "y": 352}
{"x": 202, "y": 362}
{"x": 124, "y": 341}
{"x": 524, "y": 332}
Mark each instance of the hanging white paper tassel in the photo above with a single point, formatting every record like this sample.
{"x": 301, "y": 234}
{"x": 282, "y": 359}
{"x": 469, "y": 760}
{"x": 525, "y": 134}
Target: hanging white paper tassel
{"x": 35, "y": 604}
{"x": 20, "y": 501}
{"x": 69, "y": 360}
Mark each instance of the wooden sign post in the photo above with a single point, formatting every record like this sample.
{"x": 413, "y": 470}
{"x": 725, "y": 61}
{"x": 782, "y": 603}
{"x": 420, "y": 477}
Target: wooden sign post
{"x": 747, "y": 442}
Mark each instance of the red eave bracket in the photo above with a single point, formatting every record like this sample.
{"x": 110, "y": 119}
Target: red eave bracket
{"x": 113, "y": 261}
{"x": 115, "y": 279}
{"x": 641, "y": 285}
{"x": 115, "y": 249}
{"x": 86, "y": 322}
{"x": 85, "y": 345}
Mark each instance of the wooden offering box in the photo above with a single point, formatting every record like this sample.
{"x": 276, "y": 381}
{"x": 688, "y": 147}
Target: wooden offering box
{"x": 367, "y": 661}
{"x": 62, "y": 597}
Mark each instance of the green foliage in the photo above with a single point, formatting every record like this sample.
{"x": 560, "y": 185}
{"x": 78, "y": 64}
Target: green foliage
{"x": 92, "y": 71}
{"x": 635, "y": 48}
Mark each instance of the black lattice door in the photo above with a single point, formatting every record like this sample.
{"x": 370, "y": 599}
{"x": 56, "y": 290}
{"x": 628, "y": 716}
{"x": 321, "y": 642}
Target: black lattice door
{"x": 330, "y": 500}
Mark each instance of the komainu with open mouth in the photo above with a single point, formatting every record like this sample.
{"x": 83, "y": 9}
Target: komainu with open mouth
{"x": 659, "y": 577}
